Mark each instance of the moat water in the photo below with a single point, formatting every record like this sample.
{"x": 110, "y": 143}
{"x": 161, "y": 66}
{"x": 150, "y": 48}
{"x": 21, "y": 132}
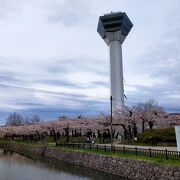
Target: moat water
{"x": 14, "y": 166}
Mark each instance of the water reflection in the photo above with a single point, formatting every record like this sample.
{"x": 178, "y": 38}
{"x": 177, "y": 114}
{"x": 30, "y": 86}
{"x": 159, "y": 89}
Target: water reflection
{"x": 16, "y": 167}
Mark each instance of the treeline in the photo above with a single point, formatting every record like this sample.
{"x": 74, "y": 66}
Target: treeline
{"x": 127, "y": 124}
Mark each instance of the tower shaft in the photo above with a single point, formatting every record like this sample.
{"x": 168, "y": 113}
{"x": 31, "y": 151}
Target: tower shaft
{"x": 116, "y": 75}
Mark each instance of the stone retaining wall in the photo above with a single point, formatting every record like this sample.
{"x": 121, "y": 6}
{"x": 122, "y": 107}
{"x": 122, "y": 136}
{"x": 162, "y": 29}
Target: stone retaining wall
{"x": 125, "y": 167}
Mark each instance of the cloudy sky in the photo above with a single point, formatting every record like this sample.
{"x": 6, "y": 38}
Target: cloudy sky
{"x": 54, "y": 63}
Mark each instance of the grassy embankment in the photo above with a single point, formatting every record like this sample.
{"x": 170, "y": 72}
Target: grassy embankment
{"x": 106, "y": 153}
{"x": 109, "y": 153}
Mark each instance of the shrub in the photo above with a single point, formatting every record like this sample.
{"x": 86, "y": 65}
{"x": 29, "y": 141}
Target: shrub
{"x": 157, "y": 136}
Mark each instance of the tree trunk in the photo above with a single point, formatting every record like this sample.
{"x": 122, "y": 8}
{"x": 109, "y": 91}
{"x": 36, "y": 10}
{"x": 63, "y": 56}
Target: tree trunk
{"x": 135, "y": 131}
{"x": 143, "y": 125}
{"x": 129, "y": 132}
{"x": 151, "y": 124}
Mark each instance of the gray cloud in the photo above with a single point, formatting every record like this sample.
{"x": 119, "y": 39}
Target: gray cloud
{"x": 162, "y": 62}
{"x": 69, "y": 13}
{"x": 158, "y": 67}
{"x": 78, "y": 65}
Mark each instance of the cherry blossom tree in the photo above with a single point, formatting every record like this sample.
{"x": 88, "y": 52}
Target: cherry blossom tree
{"x": 148, "y": 112}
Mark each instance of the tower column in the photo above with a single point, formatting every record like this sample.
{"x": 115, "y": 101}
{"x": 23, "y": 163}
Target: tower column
{"x": 116, "y": 75}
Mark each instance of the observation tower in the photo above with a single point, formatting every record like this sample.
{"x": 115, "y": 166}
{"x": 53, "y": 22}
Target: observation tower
{"x": 113, "y": 28}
